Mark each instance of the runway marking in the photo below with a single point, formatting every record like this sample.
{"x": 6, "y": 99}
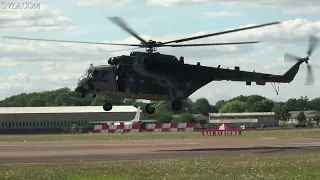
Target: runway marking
{"x": 308, "y": 143}
{"x": 63, "y": 145}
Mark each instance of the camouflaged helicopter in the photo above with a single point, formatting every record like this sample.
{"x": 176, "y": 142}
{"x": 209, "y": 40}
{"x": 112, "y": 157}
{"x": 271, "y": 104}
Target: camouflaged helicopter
{"x": 162, "y": 77}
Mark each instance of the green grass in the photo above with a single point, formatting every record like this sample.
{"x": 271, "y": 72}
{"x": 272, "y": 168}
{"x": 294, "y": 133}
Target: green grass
{"x": 155, "y": 135}
{"x": 255, "y": 168}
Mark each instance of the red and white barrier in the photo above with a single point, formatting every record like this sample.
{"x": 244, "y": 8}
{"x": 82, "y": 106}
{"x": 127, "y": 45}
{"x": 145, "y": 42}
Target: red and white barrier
{"x": 122, "y": 128}
{"x": 134, "y": 128}
{"x": 170, "y": 127}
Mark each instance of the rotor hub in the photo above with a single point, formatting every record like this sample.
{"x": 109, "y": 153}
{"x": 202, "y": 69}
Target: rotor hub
{"x": 306, "y": 60}
{"x": 151, "y": 45}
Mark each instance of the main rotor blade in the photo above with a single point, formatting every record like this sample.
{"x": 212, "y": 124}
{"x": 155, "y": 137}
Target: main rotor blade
{"x": 123, "y": 25}
{"x": 81, "y": 42}
{"x": 289, "y": 57}
{"x": 313, "y": 44}
{"x": 209, "y": 44}
{"x": 219, "y": 33}
{"x": 119, "y": 50}
{"x": 310, "y": 76}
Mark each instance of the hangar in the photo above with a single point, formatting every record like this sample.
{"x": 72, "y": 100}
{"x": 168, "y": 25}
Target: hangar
{"x": 248, "y": 119}
{"x": 33, "y": 120}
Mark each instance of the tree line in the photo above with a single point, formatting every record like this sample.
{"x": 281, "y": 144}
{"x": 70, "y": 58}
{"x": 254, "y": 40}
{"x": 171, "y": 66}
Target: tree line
{"x": 164, "y": 113}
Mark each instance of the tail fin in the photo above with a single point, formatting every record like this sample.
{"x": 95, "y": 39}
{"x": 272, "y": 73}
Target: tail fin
{"x": 137, "y": 117}
{"x": 292, "y": 72}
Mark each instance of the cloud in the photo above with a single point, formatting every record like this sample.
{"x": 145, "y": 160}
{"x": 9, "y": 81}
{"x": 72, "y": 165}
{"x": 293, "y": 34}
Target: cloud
{"x": 221, "y": 14}
{"x": 27, "y": 83}
{"x": 287, "y": 6}
{"x": 106, "y": 3}
{"x": 43, "y": 19}
{"x": 62, "y": 63}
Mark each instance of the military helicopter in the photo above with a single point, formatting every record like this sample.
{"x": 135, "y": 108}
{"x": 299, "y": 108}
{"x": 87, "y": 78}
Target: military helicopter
{"x": 154, "y": 76}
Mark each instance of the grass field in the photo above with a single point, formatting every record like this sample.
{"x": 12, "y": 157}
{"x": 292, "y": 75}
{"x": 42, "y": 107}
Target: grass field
{"x": 268, "y": 168}
{"x": 164, "y": 135}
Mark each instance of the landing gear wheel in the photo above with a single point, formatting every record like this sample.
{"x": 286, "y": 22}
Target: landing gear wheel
{"x": 176, "y": 105}
{"x": 150, "y": 109}
{"x": 107, "y": 106}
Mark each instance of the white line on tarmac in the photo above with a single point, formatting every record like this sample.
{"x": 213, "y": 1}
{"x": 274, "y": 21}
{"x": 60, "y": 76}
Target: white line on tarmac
{"x": 61, "y": 145}
{"x": 308, "y": 143}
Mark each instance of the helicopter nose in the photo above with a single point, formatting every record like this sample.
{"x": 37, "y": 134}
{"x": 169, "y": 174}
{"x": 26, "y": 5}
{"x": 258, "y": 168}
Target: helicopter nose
{"x": 81, "y": 88}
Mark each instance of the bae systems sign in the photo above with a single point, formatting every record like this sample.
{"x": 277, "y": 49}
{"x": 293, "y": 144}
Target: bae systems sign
{"x": 221, "y": 132}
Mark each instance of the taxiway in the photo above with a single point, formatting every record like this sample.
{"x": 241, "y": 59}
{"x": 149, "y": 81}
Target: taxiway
{"x": 76, "y": 151}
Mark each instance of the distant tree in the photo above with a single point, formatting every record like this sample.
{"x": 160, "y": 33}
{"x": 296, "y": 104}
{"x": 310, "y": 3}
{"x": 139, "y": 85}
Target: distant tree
{"x": 301, "y": 117}
{"x": 161, "y": 116}
{"x": 253, "y": 99}
{"x": 219, "y": 104}
{"x": 317, "y": 120}
{"x": 241, "y": 98}
{"x": 277, "y": 111}
{"x": 235, "y": 106}
{"x": 285, "y": 115}
{"x": 185, "y": 117}
{"x": 314, "y": 104}
{"x": 203, "y": 106}
{"x": 292, "y": 104}
{"x": 265, "y": 105}
{"x": 301, "y": 104}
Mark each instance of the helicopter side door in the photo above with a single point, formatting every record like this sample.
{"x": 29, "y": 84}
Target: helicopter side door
{"x": 106, "y": 80}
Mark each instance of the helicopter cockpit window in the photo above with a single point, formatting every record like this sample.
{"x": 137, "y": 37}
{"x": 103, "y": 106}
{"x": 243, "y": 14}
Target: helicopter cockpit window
{"x": 104, "y": 76}
{"x": 94, "y": 74}
{"x": 86, "y": 73}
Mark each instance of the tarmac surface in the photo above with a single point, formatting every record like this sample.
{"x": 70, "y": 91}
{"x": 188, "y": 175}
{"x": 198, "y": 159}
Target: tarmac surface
{"x": 75, "y": 151}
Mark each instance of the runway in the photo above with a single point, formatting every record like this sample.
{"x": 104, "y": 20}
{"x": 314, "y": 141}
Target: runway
{"x": 76, "y": 151}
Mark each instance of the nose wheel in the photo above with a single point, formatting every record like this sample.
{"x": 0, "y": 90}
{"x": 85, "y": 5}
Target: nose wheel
{"x": 107, "y": 106}
{"x": 176, "y": 105}
{"x": 82, "y": 91}
{"x": 150, "y": 108}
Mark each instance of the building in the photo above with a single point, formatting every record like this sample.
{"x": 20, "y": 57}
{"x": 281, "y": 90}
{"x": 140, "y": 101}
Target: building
{"x": 26, "y": 120}
{"x": 249, "y": 120}
{"x": 309, "y": 114}
{"x": 200, "y": 118}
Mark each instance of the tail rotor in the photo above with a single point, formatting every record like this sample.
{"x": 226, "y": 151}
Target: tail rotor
{"x": 313, "y": 44}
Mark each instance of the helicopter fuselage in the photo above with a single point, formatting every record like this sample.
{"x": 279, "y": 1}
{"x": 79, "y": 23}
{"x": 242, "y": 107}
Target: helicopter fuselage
{"x": 160, "y": 77}
{"x": 140, "y": 76}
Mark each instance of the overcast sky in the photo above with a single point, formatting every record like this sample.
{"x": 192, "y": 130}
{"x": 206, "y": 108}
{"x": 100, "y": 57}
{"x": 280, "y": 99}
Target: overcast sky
{"x": 32, "y": 66}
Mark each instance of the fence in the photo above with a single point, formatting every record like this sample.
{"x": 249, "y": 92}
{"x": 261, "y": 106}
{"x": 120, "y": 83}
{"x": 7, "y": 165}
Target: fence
{"x": 134, "y": 128}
